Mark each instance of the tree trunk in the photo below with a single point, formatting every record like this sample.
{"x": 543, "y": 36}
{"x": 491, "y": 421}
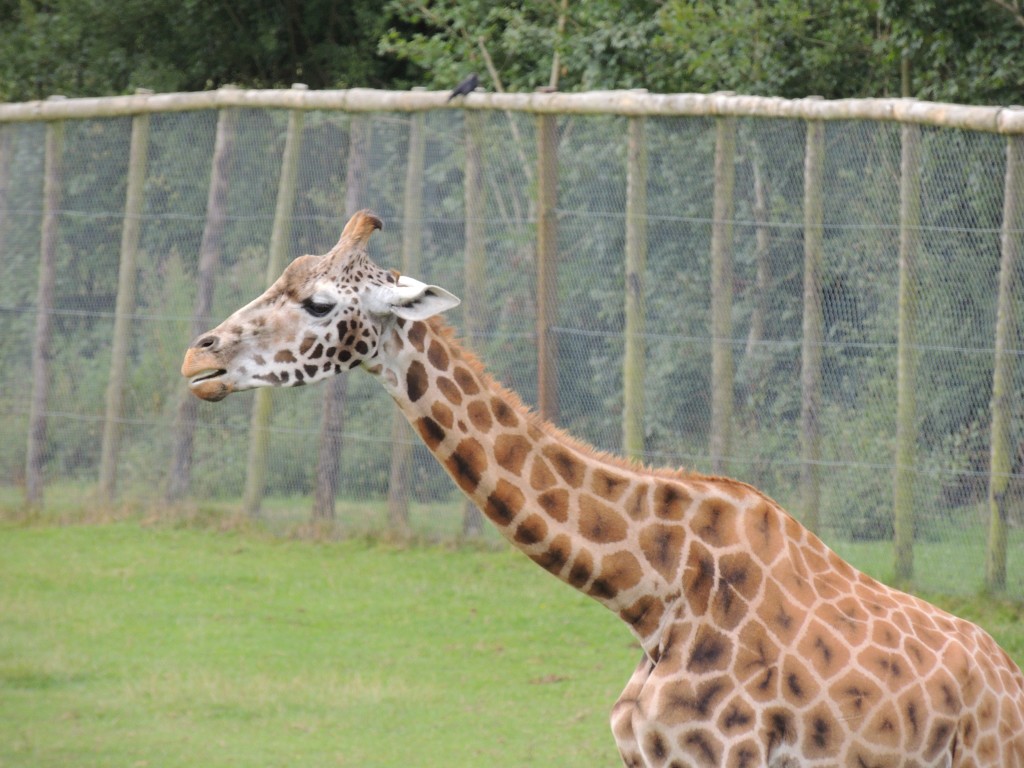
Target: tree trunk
{"x": 209, "y": 259}
{"x": 722, "y": 367}
{"x": 475, "y": 294}
{"x": 35, "y": 452}
{"x": 813, "y": 322}
{"x": 124, "y": 307}
{"x": 762, "y": 256}
{"x": 412, "y": 239}
{"x": 1002, "y": 374}
{"x": 280, "y": 237}
{"x": 335, "y": 397}
{"x": 906, "y": 352}
{"x": 547, "y": 266}
{"x": 634, "y": 362}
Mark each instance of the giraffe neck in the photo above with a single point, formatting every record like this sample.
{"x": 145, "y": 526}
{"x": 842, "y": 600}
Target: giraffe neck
{"x": 611, "y": 529}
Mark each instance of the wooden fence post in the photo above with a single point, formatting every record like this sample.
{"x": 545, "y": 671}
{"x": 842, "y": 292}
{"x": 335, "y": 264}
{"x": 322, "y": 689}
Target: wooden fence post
{"x": 209, "y": 257}
{"x": 335, "y": 389}
{"x": 474, "y": 270}
{"x": 762, "y": 254}
{"x": 124, "y": 305}
{"x": 906, "y": 353}
{"x": 547, "y": 265}
{"x": 36, "y": 448}
{"x": 412, "y": 248}
{"x": 6, "y": 155}
{"x": 813, "y": 323}
{"x": 1001, "y": 463}
{"x": 280, "y": 235}
{"x": 722, "y": 366}
{"x": 634, "y": 360}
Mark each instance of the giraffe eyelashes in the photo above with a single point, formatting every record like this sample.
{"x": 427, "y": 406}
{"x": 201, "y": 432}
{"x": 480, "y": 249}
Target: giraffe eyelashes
{"x": 317, "y": 308}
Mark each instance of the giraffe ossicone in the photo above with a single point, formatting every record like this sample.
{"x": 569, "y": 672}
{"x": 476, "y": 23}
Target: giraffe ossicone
{"x": 761, "y": 646}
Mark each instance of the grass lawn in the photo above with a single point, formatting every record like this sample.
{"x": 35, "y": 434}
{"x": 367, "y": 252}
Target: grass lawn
{"x": 125, "y": 645}
{"x": 131, "y": 645}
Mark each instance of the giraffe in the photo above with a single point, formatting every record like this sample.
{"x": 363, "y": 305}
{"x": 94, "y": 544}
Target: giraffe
{"x": 760, "y": 646}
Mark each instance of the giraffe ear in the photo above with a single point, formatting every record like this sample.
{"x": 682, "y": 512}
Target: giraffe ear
{"x": 413, "y": 300}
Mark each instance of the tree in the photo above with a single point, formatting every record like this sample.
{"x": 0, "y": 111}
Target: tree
{"x": 790, "y": 48}
{"x": 960, "y": 50}
{"x": 97, "y": 48}
{"x": 514, "y": 46}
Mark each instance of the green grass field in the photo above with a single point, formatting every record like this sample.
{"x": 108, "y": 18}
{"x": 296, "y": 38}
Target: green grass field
{"x": 125, "y": 645}
{"x": 131, "y": 645}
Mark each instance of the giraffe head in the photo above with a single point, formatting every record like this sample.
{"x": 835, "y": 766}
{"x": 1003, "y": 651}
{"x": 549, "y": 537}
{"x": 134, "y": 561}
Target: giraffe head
{"x": 323, "y": 315}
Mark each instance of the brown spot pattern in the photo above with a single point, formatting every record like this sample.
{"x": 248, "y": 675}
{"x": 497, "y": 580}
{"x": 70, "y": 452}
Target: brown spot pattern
{"x": 532, "y": 530}
{"x": 711, "y": 651}
{"x": 504, "y": 503}
{"x": 556, "y": 503}
{"x": 479, "y": 415}
{"x": 670, "y": 501}
{"x": 556, "y": 556}
{"x": 636, "y": 505}
{"x": 582, "y": 568}
{"x": 608, "y": 485}
{"x": 504, "y": 413}
{"x": 416, "y": 335}
{"x": 714, "y": 522}
{"x": 466, "y": 381}
{"x": 661, "y": 546}
{"x": 599, "y": 522}
{"x": 442, "y": 414}
{"x": 764, "y": 533}
{"x": 416, "y": 381}
{"x": 431, "y": 432}
{"x": 682, "y": 702}
{"x": 824, "y": 650}
{"x": 541, "y": 478}
{"x": 855, "y": 694}
{"x": 699, "y": 577}
{"x": 822, "y": 734}
{"x": 644, "y": 615}
{"x": 511, "y": 452}
{"x": 619, "y": 572}
{"x": 467, "y": 464}
{"x": 568, "y": 467}
{"x": 738, "y": 583}
{"x": 437, "y": 355}
{"x": 448, "y": 388}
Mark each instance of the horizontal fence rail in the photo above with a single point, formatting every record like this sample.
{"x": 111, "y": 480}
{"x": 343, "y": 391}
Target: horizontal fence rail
{"x": 630, "y": 103}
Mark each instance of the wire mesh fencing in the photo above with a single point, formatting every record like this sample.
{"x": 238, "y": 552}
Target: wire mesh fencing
{"x": 788, "y": 317}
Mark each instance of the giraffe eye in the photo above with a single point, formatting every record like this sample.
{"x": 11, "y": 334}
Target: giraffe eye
{"x": 317, "y": 308}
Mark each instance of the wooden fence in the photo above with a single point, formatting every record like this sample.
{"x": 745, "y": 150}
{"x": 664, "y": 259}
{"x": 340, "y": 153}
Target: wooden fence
{"x": 637, "y": 107}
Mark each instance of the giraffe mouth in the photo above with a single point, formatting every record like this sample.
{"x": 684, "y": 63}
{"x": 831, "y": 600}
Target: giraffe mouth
{"x": 205, "y": 375}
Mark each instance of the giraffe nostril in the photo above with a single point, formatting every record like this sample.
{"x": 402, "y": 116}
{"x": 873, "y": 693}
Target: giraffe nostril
{"x": 208, "y": 343}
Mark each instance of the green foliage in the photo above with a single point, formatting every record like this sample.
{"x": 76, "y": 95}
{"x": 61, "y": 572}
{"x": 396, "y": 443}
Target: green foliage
{"x": 93, "y": 47}
{"x": 791, "y": 48}
{"x": 964, "y": 51}
{"x": 602, "y": 42}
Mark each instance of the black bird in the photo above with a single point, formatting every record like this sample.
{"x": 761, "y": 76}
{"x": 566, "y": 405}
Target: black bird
{"x": 466, "y": 86}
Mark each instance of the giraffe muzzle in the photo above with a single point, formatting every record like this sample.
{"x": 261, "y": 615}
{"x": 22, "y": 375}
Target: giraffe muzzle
{"x": 205, "y": 378}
